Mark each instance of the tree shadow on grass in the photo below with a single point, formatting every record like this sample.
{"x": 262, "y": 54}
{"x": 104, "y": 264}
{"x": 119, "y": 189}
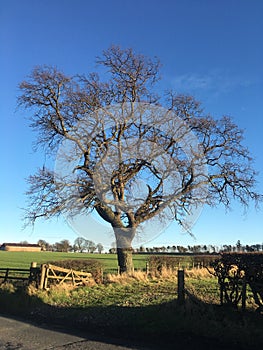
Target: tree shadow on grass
{"x": 169, "y": 325}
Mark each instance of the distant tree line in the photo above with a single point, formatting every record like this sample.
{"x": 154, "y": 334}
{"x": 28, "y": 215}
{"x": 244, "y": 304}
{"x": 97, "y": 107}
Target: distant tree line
{"x": 200, "y": 249}
{"x": 80, "y": 245}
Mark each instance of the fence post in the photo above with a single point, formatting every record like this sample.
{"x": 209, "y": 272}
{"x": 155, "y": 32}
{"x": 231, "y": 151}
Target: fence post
{"x": 6, "y": 275}
{"x": 34, "y": 273}
{"x": 244, "y": 293}
{"x": 43, "y": 275}
{"x": 147, "y": 268}
{"x": 180, "y": 286}
{"x": 221, "y": 294}
{"x": 47, "y": 268}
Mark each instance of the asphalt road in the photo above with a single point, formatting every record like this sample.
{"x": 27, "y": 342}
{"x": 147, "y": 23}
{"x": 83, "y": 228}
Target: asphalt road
{"x": 19, "y": 335}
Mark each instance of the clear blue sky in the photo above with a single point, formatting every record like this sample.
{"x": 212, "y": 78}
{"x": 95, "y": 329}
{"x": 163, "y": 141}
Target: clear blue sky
{"x": 211, "y": 49}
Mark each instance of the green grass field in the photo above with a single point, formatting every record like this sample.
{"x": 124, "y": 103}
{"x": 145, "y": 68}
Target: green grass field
{"x": 23, "y": 259}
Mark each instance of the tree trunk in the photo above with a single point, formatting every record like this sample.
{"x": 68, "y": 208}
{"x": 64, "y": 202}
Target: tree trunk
{"x": 125, "y": 260}
{"x": 124, "y": 237}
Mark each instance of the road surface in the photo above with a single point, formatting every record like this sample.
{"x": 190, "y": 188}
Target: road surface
{"x": 19, "y": 335}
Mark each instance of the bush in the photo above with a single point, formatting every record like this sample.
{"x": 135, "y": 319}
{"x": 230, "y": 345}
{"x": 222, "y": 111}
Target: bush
{"x": 157, "y": 263}
{"x": 203, "y": 260}
{"x": 92, "y": 266}
{"x": 235, "y": 269}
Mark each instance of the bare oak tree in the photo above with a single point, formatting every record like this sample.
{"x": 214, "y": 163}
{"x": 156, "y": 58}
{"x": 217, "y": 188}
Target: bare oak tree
{"x": 121, "y": 136}
{"x": 80, "y": 244}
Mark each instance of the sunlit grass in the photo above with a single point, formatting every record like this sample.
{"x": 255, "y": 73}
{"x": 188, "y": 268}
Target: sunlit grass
{"x": 24, "y": 259}
{"x": 143, "y": 303}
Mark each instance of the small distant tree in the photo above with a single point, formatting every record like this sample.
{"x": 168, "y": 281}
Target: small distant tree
{"x": 112, "y": 250}
{"x": 99, "y": 248}
{"x": 80, "y": 244}
{"x": 63, "y": 246}
{"x": 156, "y": 249}
{"x": 212, "y": 248}
{"x": 90, "y": 246}
{"x": 180, "y": 249}
{"x": 24, "y": 242}
{"x": 204, "y": 248}
{"x": 196, "y": 249}
{"x": 174, "y": 248}
{"x": 239, "y": 246}
{"x": 58, "y": 103}
{"x": 43, "y": 244}
{"x": 257, "y": 247}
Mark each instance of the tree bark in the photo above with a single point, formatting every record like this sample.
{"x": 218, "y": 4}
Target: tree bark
{"x": 125, "y": 260}
{"x": 124, "y": 237}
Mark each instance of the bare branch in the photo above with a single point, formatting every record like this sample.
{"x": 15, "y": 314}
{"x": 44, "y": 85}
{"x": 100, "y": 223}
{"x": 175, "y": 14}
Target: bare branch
{"x": 128, "y": 158}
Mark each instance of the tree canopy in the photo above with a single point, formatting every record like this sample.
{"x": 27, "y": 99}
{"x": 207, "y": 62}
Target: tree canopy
{"x": 128, "y": 153}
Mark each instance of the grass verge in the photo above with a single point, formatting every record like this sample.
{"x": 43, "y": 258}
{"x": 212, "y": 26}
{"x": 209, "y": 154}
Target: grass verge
{"x": 142, "y": 308}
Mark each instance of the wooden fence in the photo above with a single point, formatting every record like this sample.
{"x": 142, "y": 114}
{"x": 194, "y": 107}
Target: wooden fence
{"x": 45, "y": 275}
{"x": 29, "y": 275}
{"x": 58, "y": 275}
{"x": 14, "y": 274}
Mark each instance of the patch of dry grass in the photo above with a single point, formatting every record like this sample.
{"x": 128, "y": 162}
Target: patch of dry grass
{"x": 7, "y": 287}
{"x": 202, "y": 273}
{"x": 126, "y": 278}
{"x": 166, "y": 273}
{"x": 141, "y": 276}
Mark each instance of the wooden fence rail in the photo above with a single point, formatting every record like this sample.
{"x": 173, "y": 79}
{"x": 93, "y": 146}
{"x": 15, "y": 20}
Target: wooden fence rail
{"x": 45, "y": 275}
{"x": 61, "y": 275}
{"x": 8, "y": 273}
